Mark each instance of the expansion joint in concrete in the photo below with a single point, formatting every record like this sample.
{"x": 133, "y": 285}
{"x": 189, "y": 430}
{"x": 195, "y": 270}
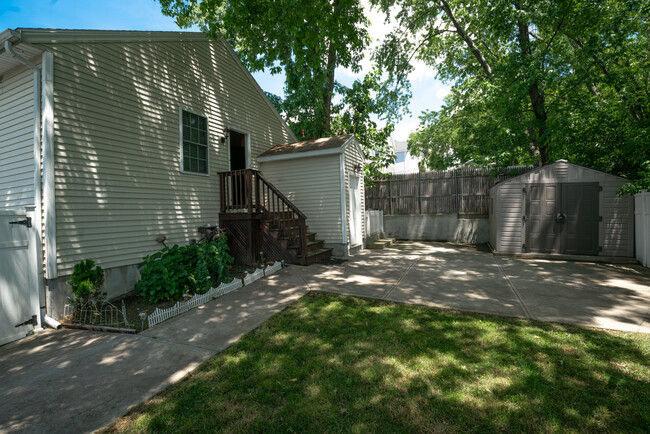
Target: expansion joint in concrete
{"x": 512, "y": 288}
{"x": 404, "y": 274}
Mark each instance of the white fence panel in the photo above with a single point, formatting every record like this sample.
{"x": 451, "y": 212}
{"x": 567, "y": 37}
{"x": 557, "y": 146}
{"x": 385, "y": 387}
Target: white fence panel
{"x": 374, "y": 222}
{"x": 642, "y": 227}
{"x": 160, "y": 315}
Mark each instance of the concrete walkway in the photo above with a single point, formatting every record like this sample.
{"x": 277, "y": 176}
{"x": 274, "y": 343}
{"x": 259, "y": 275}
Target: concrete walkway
{"x": 466, "y": 278}
{"x": 78, "y": 381}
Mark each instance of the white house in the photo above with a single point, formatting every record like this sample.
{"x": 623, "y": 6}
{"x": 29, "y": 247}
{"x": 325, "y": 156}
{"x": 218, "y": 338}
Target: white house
{"x": 110, "y": 140}
{"x": 404, "y": 161}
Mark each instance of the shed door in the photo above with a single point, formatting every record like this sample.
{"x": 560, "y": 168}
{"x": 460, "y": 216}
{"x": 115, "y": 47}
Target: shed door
{"x": 355, "y": 211}
{"x": 18, "y": 268}
{"x": 562, "y": 218}
{"x": 543, "y": 230}
{"x": 580, "y": 209}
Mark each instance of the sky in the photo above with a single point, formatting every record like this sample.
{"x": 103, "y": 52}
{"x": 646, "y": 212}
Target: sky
{"x": 146, "y": 15}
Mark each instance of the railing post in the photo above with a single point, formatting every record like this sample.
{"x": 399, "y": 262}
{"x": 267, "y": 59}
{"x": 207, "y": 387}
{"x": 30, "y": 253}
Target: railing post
{"x": 257, "y": 193}
{"x": 249, "y": 190}
{"x": 303, "y": 237}
{"x": 222, "y": 198}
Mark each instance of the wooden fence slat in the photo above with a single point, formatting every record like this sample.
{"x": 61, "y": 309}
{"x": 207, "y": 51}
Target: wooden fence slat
{"x": 463, "y": 191}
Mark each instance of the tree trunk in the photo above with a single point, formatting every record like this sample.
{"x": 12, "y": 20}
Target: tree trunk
{"x": 537, "y": 101}
{"x": 329, "y": 89}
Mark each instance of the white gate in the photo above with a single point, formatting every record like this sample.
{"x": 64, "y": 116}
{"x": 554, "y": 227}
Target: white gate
{"x": 19, "y": 285}
{"x": 642, "y": 227}
{"x": 355, "y": 211}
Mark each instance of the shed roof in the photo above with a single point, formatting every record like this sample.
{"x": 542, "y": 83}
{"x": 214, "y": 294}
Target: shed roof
{"x": 551, "y": 167}
{"x": 309, "y": 148}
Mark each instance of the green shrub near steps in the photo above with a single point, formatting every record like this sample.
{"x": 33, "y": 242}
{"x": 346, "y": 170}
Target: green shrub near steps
{"x": 195, "y": 268}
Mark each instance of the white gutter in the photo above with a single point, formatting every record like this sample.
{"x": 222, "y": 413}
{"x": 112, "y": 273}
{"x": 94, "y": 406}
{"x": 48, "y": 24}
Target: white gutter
{"x": 37, "y": 160}
{"x": 344, "y": 212}
{"x": 49, "y": 202}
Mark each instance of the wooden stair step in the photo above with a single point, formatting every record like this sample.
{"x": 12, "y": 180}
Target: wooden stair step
{"x": 380, "y": 243}
{"x": 311, "y": 245}
{"x": 315, "y": 256}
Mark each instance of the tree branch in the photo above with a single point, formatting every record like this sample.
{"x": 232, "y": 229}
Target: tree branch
{"x": 470, "y": 43}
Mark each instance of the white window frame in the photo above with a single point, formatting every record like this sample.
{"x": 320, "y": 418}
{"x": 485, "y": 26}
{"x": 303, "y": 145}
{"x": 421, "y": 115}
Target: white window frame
{"x": 181, "y": 109}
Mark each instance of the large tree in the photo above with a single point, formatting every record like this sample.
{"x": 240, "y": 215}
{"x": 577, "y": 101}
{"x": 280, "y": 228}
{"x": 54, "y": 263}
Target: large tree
{"x": 305, "y": 39}
{"x": 534, "y": 80}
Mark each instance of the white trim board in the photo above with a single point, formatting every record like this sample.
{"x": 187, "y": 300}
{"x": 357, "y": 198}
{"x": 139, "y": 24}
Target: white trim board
{"x": 49, "y": 195}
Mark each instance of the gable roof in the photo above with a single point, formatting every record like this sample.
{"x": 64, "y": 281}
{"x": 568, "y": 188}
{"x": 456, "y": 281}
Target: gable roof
{"x": 551, "y": 167}
{"x": 310, "y": 148}
{"x": 22, "y": 38}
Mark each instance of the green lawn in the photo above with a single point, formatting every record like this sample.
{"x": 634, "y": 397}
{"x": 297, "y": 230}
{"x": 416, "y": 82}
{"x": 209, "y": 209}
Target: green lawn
{"x": 331, "y": 363}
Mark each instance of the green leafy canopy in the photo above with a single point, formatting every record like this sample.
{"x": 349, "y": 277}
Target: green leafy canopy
{"x": 307, "y": 40}
{"x": 533, "y": 80}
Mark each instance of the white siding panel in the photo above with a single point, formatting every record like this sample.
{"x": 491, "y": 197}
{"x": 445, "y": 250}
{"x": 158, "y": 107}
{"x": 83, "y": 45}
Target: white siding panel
{"x": 17, "y": 141}
{"x": 117, "y": 144}
{"x": 352, "y": 157}
{"x": 509, "y": 218}
{"x": 314, "y": 186}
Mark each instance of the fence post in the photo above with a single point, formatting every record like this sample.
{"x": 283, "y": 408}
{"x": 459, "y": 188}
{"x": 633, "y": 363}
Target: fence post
{"x": 390, "y": 197}
{"x": 456, "y": 183}
{"x": 419, "y": 192}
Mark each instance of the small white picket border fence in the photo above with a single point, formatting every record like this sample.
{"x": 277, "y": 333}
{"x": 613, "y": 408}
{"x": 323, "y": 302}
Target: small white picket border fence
{"x": 160, "y": 315}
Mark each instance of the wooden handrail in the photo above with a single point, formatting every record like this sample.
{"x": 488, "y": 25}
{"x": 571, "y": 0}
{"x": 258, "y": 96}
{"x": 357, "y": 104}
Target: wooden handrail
{"x": 249, "y": 190}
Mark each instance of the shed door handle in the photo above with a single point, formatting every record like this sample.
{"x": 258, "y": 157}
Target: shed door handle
{"x": 560, "y": 217}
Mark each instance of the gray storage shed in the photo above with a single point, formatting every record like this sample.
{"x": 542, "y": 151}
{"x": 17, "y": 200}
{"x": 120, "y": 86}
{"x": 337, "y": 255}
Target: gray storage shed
{"x": 562, "y": 208}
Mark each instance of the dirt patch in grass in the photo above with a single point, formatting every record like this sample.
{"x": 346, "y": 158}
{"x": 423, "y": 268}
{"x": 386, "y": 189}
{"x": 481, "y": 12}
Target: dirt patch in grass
{"x": 331, "y": 363}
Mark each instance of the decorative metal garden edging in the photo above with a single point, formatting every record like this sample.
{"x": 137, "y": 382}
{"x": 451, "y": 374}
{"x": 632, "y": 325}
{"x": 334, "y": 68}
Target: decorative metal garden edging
{"x": 160, "y": 315}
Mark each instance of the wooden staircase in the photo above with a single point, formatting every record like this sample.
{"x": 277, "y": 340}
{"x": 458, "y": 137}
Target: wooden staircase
{"x": 261, "y": 223}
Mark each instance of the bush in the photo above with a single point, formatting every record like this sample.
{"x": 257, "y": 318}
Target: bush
{"x": 86, "y": 280}
{"x": 167, "y": 274}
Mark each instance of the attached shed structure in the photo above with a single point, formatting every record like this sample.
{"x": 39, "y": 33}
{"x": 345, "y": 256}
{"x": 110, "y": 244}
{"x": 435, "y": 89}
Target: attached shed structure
{"x": 562, "y": 208}
{"x": 324, "y": 179}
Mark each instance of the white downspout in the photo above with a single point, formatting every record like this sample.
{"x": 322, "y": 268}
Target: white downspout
{"x": 37, "y": 164}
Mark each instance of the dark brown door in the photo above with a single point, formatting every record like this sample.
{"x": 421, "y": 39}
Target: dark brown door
{"x": 580, "y": 209}
{"x": 543, "y": 230}
{"x": 562, "y": 218}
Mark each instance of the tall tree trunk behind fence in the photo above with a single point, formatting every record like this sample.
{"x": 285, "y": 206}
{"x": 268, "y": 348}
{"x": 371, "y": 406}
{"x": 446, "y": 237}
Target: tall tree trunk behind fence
{"x": 462, "y": 191}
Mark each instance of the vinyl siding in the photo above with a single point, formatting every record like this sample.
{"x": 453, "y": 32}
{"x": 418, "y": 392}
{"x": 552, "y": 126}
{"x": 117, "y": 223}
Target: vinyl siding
{"x": 17, "y": 140}
{"x": 117, "y": 143}
{"x": 313, "y": 184}
{"x": 493, "y": 218}
{"x": 509, "y": 213}
{"x": 352, "y": 157}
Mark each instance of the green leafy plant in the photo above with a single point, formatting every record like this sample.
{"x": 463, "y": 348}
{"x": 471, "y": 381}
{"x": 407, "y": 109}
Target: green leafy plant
{"x": 195, "y": 268}
{"x": 86, "y": 280}
{"x": 639, "y": 184}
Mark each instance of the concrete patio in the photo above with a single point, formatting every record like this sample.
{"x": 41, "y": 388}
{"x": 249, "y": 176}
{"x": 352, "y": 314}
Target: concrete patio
{"x": 469, "y": 278}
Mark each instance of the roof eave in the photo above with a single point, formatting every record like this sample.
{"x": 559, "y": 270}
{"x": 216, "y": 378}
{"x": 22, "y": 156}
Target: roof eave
{"x": 63, "y": 36}
{"x": 295, "y": 155}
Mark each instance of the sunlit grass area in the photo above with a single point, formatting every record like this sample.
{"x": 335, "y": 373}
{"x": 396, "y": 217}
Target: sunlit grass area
{"x": 331, "y": 363}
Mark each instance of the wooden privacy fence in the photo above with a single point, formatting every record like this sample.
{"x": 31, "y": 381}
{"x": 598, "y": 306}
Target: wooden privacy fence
{"x": 462, "y": 191}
